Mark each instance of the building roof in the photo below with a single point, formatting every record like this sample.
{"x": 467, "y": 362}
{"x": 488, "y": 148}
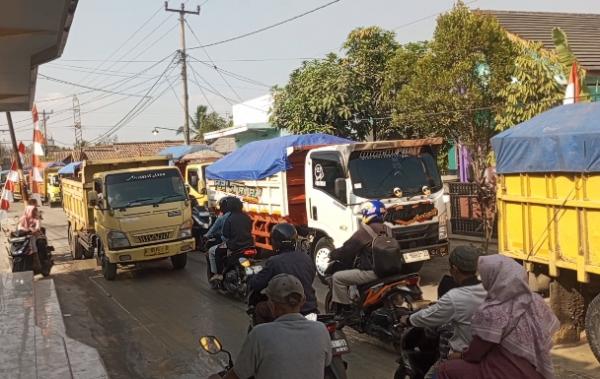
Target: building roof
{"x": 116, "y": 150}
{"x": 224, "y": 145}
{"x": 582, "y": 29}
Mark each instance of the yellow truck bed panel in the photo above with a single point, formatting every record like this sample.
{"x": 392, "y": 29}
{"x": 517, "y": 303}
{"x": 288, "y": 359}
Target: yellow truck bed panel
{"x": 551, "y": 219}
{"x": 75, "y": 205}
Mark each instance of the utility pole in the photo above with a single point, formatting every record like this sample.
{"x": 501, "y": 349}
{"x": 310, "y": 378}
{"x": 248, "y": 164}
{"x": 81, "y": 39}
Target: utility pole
{"x": 77, "y": 125}
{"x": 13, "y": 138}
{"x": 45, "y": 117}
{"x": 182, "y": 12}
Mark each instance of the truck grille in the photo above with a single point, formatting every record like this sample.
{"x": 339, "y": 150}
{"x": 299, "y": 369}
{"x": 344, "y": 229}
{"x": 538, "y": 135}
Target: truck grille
{"x": 154, "y": 237}
{"x": 411, "y": 237}
{"x": 410, "y": 214}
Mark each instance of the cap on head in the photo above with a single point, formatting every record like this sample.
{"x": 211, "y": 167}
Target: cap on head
{"x": 280, "y": 288}
{"x": 465, "y": 258}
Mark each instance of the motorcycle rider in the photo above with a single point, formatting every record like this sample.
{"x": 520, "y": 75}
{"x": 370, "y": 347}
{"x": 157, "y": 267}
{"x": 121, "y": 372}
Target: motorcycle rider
{"x": 237, "y": 233}
{"x": 457, "y": 306}
{"x": 356, "y": 252}
{"x": 288, "y": 260}
{"x": 216, "y": 232}
{"x": 290, "y": 347}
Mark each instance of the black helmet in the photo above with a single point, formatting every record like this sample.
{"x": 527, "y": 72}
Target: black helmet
{"x": 234, "y": 204}
{"x": 223, "y": 204}
{"x": 284, "y": 236}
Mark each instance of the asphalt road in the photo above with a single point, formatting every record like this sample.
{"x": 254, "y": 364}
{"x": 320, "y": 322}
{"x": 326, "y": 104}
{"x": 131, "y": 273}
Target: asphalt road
{"x": 147, "y": 322}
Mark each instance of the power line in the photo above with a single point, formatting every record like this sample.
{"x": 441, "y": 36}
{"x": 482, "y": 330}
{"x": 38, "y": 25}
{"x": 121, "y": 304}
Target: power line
{"x": 129, "y": 115}
{"x": 266, "y": 27}
{"x": 209, "y": 57}
{"x": 428, "y": 17}
{"x": 232, "y": 74}
{"x": 82, "y": 86}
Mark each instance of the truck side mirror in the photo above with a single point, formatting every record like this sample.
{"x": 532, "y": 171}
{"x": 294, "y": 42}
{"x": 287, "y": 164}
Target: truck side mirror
{"x": 92, "y": 198}
{"x": 194, "y": 181}
{"x": 340, "y": 190}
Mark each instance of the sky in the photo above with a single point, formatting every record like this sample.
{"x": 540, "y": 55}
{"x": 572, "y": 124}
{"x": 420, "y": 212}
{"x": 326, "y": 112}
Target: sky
{"x": 123, "y": 47}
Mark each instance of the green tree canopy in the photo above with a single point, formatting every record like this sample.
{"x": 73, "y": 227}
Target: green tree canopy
{"x": 205, "y": 122}
{"x": 327, "y": 95}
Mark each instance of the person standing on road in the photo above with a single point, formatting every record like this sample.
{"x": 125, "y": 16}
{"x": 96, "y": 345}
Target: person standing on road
{"x": 512, "y": 330}
{"x": 290, "y": 347}
{"x": 455, "y": 307}
{"x": 356, "y": 253}
{"x": 288, "y": 260}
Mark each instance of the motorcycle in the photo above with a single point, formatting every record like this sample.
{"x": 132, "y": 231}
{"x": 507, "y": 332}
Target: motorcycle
{"x": 339, "y": 346}
{"x": 378, "y": 306}
{"x": 238, "y": 266}
{"x": 21, "y": 253}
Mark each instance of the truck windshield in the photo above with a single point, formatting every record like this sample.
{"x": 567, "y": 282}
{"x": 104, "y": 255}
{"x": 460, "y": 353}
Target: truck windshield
{"x": 144, "y": 187}
{"x": 375, "y": 174}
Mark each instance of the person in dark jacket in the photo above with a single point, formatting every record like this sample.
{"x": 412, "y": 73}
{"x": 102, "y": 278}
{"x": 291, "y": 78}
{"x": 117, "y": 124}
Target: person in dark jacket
{"x": 237, "y": 233}
{"x": 288, "y": 260}
{"x": 356, "y": 253}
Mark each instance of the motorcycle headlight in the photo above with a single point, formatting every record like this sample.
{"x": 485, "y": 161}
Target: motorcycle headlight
{"x": 185, "y": 230}
{"x": 117, "y": 240}
{"x": 443, "y": 226}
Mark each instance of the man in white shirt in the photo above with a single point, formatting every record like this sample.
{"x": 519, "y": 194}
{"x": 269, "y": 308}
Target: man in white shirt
{"x": 457, "y": 306}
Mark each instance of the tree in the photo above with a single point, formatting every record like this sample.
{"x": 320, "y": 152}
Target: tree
{"x": 328, "y": 95}
{"x": 204, "y": 122}
{"x": 456, "y": 86}
{"x": 534, "y": 88}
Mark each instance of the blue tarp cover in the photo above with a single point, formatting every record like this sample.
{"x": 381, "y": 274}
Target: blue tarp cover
{"x": 69, "y": 169}
{"x": 563, "y": 139}
{"x": 55, "y": 164}
{"x": 260, "y": 159}
{"x": 179, "y": 151}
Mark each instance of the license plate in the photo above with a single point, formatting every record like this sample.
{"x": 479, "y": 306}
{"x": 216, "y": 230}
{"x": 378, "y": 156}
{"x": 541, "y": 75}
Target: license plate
{"x": 416, "y": 256}
{"x": 156, "y": 250}
{"x": 340, "y": 346}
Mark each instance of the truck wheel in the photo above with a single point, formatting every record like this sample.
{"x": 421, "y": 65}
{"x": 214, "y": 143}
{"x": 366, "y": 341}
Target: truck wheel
{"x": 109, "y": 270}
{"x": 76, "y": 248}
{"x": 87, "y": 254}
{"x": 592, "y": 326}
{"x": 179, "y": 261}
{"x": 323, "y": 248}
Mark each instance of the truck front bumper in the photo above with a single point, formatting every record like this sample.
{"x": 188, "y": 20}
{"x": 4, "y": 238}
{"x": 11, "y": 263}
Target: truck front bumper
{"x": 151, "y": 252}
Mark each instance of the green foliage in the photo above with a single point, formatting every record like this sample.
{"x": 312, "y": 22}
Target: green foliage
{"x": 455, "y": 87}
{"x": 324, "y": 95}
{"x": 534, "y": 88}
{"x": 567, "y": 58}
{"x": 204, "y": 122}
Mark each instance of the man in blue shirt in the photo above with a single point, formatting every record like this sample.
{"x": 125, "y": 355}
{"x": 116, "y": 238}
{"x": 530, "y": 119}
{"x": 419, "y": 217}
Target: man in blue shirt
{"x": 216, "y": 232}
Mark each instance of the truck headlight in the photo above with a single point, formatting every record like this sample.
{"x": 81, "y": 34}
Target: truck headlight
{"x": 117, "y": 240}
{"x": 443, "y": 226}
{"x": 185, "y": 230}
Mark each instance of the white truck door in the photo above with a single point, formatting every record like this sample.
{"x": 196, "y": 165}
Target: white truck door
{"x": 327, "y": 207}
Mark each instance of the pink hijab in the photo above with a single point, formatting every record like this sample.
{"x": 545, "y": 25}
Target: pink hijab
{"x": 513, "y": 316}
{"x": 29, "y": 221}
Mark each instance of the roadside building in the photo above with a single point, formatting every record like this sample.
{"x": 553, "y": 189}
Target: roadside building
{"x": 250, "y": 123}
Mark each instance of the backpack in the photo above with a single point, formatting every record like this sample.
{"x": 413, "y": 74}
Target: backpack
{"x": 387, "y": 258}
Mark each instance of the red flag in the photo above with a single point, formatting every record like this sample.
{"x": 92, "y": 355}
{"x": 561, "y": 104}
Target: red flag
{"x": 37, "y": 170}
{"x": 573, "y": 87}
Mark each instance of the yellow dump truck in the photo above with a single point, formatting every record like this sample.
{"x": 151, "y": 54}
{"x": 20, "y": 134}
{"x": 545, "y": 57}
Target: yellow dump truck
{"x": 549, "y": 211}
{"x": 52, "y": 191}
{"x": 126, "y": 211}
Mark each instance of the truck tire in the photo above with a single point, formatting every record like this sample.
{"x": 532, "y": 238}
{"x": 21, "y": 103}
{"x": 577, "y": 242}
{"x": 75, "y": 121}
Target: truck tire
{"x": 323, "y": 248}
{"x": 592, "y": 326}
{"x": 76, "y": 248}
{"x": 109, "y": 270}
{"x": 179, "y": 261}
{"x": 87, "y": 254}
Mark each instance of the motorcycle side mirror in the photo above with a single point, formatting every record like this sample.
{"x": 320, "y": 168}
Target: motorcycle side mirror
{"x": 211, "y": 344}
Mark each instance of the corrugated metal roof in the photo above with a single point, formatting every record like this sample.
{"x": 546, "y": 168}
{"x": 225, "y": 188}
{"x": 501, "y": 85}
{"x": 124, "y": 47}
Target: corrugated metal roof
{"x": 224, "y": 145}
{"x": 582, "y": 29}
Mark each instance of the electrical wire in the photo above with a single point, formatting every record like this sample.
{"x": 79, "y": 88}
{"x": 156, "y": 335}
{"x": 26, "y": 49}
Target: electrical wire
{"x": 213, "y": 62}
{"x": 428, "y": 17}
{"x": 82, "y": 86}
{"x": 138, "y": 106}
{"x": 248, "y": 34}
{"x": 232, "y": 74}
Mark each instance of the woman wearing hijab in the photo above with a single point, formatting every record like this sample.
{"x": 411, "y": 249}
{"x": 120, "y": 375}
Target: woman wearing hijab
{"x": 30, "y": 222}
{"x": 512, "y": 330}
